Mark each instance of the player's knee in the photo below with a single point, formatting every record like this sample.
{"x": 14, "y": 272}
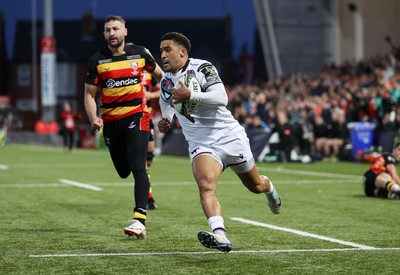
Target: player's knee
{"x": 206, "y": 184}
{"x": 139, "y": 169}
{"x": 137, "y": 163}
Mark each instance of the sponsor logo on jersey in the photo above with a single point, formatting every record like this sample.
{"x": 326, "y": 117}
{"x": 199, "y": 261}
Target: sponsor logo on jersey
{"x": 111, "y": 83}
{"x": 136, "y": 56}
{"x": 105, "y": 61}
{"x": 196, "y": 87}
{"x": 191, "y": 72}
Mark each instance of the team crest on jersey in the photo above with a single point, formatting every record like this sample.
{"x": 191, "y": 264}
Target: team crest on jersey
{"x": 134, "y": 66}
{"x": 191, "y": 72}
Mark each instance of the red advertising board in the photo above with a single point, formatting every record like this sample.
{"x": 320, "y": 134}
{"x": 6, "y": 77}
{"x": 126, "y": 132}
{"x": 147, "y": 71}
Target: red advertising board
{"x": 48, "y": 44}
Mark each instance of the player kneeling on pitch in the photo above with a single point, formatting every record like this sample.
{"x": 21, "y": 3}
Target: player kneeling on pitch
{"x": 381, "y": 179}
{"x": 216, "y": 139}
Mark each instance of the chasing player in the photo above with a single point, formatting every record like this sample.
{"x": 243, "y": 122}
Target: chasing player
{"x": 152, "y": 93}
{"x": 151, "y": 90}
{"x": 116, "y": 71}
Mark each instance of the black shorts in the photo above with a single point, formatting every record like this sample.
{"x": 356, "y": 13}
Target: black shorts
{"x": 127, "y": 141}
{"x": 151, "y": 136}
{"x": 369, "y": 185}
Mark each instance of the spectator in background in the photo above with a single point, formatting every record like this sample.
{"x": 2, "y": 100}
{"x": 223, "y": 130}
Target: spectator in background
{"x": 68, "y": 122}
{"x": 392, "y": 86}
{"x": 337, "y": 136}
{"x": 303, "y": 132}
{"x": 255, "y": 122}
{"x": 248, "y": 122}
{"x": 320, "y": 133}
{"x": 387, "y": 124}
{"x": 287, "y": 138}
{"x": 397, "y": 120}
{"x": 365, "y": 91}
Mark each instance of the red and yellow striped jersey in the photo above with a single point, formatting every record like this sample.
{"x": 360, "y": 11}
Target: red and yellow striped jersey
{"x": 119, "y": 79}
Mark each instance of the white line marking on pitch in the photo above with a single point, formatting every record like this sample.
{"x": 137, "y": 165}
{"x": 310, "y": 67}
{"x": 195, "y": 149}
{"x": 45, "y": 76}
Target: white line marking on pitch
{"x": 206, "y": 252}
{"x": 165, "y": 183}
{"x": 74, "y": 183}
{"x": 4, "y": 167}
{"x": 57, "y": 165}
{"x": 32, "y": 185}
{"x": 310, "y": 173}
{"x": 302, "y": 233}
{"x": 282, "y": 169}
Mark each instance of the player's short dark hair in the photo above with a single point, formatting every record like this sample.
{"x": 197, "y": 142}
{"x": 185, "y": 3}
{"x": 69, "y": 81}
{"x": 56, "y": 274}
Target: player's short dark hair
{"x": 396, "y": 145}
{"x": 114, "y": 18}
{"x": 178, "y": 38}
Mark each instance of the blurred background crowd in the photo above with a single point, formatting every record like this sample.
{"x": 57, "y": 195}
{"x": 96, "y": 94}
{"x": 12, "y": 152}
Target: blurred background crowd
{"x": 312, "y": 114}
{"x": 302, "y": 73}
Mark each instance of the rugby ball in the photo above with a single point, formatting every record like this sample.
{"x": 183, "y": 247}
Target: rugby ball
{"x": 185, "y": 108}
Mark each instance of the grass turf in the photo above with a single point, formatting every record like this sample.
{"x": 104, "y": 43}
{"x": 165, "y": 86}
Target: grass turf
{"x": 49, "y": 227}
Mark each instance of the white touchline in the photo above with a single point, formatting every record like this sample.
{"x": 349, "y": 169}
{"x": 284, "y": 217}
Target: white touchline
{"x": 57, "y": 165}
{"x": 282, "y": 169}
{"x": 3, "y": 167}
{"x": 205, "y": 252}
{"x": 310, "y": 173}
{"x": 302, "y": 233}
{"x": 87, "y": 186}
{"x": 166, "y": 183}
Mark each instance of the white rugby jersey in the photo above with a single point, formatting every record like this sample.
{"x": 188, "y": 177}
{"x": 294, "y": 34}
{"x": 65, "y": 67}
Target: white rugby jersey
{"x": 209, "y": 120}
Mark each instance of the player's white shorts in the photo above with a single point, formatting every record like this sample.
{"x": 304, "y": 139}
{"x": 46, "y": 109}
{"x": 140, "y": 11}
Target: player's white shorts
{"x": 232, "y": 150}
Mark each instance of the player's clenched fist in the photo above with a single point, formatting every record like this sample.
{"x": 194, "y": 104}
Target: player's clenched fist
{"x": 164, "y": 125}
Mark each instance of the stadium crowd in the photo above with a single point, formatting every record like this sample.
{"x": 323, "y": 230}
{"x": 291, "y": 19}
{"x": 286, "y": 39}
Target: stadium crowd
{"x": 311, "y": 114}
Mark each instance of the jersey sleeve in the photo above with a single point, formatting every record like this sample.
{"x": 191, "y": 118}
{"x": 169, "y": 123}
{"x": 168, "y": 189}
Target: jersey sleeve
{"x": 92, "y": 76}
{"x": 214, "y": 96}
{"x": 390, "y": 159}
{"x": 213, "y": 90}
{"x": 207, "y": 75}
{"x": 166, "y": 87}
{"x": 150, "y": 61}
{"x": 166, "y": 109}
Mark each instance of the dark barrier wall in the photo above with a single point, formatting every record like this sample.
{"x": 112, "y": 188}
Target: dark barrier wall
{"x": 258, "y": 140}
{"x": 174, "y": 143}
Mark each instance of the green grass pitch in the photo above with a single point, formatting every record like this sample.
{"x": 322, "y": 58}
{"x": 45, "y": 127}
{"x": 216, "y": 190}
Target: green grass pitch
{"x": 49, "y": 226}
